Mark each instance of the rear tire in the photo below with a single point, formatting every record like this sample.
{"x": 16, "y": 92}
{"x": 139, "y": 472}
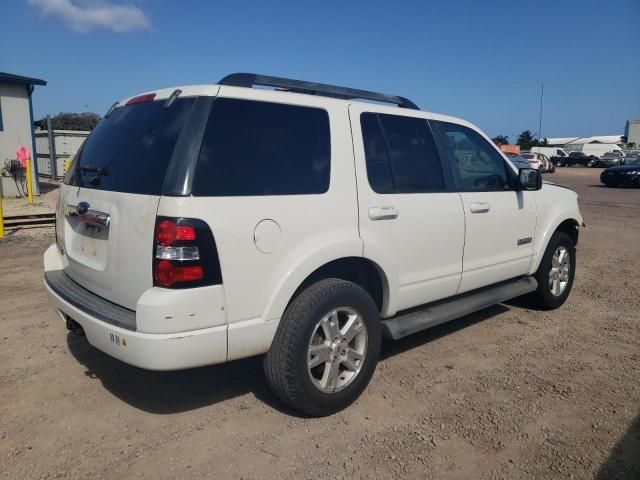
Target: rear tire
{"x": 326, "y": 348}
{"x": 555, "y": 274}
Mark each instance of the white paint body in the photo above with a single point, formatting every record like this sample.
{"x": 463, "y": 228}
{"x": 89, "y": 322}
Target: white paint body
{"x": 435, "y": 248}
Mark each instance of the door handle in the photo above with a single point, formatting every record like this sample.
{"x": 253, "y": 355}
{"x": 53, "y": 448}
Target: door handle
{"x": 479, "y": 207}
{"x": 383, "y": 213}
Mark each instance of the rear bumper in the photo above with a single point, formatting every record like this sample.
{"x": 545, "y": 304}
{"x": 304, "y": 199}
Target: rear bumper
{"x": 152, "y": 351}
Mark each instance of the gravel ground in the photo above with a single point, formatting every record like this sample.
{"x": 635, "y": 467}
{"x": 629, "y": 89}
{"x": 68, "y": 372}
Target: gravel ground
{"x": 502, "y": 394}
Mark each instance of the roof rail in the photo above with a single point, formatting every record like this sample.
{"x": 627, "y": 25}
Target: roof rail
{"x": 248, "y": 80}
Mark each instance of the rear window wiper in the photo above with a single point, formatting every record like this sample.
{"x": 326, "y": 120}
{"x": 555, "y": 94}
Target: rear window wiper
{"x": 99, "y": 171}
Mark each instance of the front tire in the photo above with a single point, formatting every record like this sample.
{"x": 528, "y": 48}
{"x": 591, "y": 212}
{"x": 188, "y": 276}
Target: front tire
{"x": 556, "y": 273}
{"x": 326, "y": 348}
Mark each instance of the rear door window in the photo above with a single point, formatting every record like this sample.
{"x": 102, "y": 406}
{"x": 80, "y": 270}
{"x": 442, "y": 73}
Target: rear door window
{"x": 401, "y": 154}
{"x": 129, "y": 151}
{"x": 263, "y": 148}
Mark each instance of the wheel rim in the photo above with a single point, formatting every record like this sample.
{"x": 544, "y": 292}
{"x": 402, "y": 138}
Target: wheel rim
{"x": 337, "y": 350}
{"x": 559, "y": 273}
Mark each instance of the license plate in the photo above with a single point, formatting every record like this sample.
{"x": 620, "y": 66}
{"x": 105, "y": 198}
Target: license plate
{"x": 117, "y": 339}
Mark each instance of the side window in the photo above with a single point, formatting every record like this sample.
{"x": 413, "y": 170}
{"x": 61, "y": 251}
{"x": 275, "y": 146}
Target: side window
{"x": 476, "y": 165}
{"x": 263, "y": 148}
{"x": 401, "y": 154}
{"x": 560, "y": 153}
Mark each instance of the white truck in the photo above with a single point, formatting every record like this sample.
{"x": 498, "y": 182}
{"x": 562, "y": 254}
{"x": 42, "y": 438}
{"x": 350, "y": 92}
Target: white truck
{"x": 203, "y": 224}
{"x": 550, "y": 151}
{"x": 599, "y": 149}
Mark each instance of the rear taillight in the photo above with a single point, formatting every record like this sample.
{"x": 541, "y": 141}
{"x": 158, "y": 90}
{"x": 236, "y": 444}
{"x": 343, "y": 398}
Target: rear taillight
{"x": 185, "y": 254}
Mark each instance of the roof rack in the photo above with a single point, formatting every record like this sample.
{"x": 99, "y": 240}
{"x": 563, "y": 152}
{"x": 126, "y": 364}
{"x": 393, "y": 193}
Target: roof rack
{"x": 248, "y": 80}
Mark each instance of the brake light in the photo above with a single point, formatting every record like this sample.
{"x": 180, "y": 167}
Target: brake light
{"x": 168, "y": 232}
{"x": 141, "y": 99}
{"x": 166, "y": 273}
{"x": 185, "y": 254}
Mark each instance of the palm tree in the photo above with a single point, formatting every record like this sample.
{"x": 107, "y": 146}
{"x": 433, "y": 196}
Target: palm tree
{"x": 526, "y": 140}
{"x": 501, "y": 140}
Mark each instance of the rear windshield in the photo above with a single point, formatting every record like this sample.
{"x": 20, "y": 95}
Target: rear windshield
{"x": 130, "y": 150}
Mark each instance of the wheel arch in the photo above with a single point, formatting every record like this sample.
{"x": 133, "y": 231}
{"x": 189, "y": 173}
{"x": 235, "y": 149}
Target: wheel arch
{"x": 563, "y": 223}
{"x": 353, "y": 268}
{"x": 359, "y": 270}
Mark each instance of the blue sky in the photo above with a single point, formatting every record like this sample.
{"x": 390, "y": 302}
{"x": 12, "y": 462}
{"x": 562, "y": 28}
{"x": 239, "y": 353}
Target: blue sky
{"x": 483, "y": 61}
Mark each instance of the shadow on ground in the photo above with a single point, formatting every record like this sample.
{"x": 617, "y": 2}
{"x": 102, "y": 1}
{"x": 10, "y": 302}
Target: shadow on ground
{"x": 624, "y": 460}
{"x": 48, "y": 186}
{"x": 172, "y": 392}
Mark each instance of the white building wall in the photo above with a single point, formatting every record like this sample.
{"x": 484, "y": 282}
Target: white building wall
{"x": 16, "y": 121}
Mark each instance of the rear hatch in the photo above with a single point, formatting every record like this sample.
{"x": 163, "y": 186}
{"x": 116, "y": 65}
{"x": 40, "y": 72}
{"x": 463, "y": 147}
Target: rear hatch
{"x": 108, "y": 204}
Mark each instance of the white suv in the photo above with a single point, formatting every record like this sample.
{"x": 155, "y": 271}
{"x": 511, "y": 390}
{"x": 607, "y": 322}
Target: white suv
{"x": 208, "y": 223}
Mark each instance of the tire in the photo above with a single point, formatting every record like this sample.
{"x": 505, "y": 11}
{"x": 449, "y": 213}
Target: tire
{"x": 544, "y": 297}
{"x": 305, "y": 324}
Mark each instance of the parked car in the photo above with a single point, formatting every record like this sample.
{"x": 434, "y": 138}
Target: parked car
{"x": 575, "y": 158}
{"x": 203, "y": 224}
{"x": 539, "y": 161}
{"x": 622, "y": 175}
{"x": 519, "y": 161}
{"x": 610, "y": 159}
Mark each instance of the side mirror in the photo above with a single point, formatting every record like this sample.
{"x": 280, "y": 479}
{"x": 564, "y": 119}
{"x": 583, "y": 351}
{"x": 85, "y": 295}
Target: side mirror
{"x": 529, "y": 179}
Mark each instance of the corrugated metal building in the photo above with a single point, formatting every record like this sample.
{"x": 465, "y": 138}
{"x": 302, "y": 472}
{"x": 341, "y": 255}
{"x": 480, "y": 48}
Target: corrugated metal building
{"x": 66, "y": 144}
{"x": 632, "y": 131}
{"x": 16, "y": 123}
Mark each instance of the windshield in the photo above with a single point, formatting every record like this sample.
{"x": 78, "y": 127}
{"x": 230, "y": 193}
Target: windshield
{"x": 633, "y": 162}
{"x": 129, "y": 151}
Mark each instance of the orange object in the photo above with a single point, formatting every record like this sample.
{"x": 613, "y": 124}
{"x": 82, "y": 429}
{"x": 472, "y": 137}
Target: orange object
{"x": 23, "y": 155}
{"x": 510, "y": 149}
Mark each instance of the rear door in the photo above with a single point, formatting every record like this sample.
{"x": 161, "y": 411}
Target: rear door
{"x": 108, "y": 204}
{"x": 500, "y": 221}
{"x": 409, "y": 217}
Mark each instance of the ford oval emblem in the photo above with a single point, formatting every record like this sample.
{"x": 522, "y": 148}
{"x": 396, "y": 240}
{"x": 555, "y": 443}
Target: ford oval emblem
{"x": 82, "y": 208}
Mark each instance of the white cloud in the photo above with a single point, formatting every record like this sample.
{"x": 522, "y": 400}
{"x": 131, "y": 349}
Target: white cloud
{"x": 84, "y": 16}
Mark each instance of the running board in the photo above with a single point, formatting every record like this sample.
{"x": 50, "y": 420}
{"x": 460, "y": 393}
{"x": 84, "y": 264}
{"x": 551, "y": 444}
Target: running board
{"x": 436, "y": 313}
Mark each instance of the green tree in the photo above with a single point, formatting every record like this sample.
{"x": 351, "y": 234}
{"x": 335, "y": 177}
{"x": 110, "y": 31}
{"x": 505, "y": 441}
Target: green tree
{"x": 71, "y": 121}
{"x": 526, "y": 140}
{"x": 501, "y": 140}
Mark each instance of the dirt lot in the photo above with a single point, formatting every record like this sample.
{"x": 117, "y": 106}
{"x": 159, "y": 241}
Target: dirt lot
{"x": 505, "y": 393}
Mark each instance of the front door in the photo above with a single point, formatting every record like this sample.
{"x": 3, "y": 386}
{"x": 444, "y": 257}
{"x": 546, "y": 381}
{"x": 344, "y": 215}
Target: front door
{"x": 500, "y": 221}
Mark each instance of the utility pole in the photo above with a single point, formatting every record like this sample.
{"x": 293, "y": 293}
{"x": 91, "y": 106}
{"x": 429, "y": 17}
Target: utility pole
{"x": 540, "y": 117}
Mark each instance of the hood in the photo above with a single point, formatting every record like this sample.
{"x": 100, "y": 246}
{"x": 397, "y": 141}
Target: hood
{"x": 548, "y": 185}
{"x": 622, "y": 168}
